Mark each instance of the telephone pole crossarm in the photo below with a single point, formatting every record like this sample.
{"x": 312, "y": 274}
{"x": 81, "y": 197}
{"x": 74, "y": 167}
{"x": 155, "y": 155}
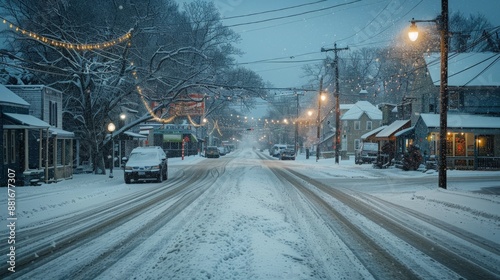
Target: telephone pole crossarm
{"x": 337, "y": 93}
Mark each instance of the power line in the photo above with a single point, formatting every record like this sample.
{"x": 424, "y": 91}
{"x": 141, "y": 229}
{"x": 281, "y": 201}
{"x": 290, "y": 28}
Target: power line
{"x": 275, "y": 10}
{"x": 293, "y": 15}
{"x": 368, "y": 24}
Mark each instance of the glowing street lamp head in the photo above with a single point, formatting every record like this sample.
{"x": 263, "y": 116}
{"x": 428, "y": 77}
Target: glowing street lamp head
{"x": 111, "y": 127}
{"x": 323, "y": 97}
{"x": 413, "y": 32}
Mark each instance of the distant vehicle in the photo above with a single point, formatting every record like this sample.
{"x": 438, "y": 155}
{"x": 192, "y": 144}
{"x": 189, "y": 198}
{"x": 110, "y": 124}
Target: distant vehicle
{"x": 212, "y": 152}
{"x": 277, "y": 149}
{"x": 222, "y": 151}
{"x": 366, "y": 153}
{"x": 146, "y": 163}
{"x": 288, "y": 153}
{"x": 229, "y": 147}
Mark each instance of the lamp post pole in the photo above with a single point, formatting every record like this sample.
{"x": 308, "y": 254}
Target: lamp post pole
{"x": 111, "y": 128}
{"x": 442, "y": 22}
{"x": 121, "y": 142}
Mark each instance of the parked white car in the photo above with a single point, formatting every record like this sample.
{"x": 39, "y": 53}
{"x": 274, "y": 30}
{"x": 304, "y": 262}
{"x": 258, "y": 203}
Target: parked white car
{"x": 277, "y": 149}
{"x": 146, "y": 163}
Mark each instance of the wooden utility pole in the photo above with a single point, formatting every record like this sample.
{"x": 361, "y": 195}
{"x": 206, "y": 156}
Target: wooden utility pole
{"x": 336, "y": 94}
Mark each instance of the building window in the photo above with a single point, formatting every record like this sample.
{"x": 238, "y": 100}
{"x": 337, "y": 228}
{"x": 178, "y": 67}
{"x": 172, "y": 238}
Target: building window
{"x": 369, "y": 125}
{"x": 356, "y": 144}
{"x": 53, "y": 113}
{"x": 13, "y": 146}
{"x": 456, "y": 100}
{"x": 5, "y": 148}
{"x": 357, "y": 125}
{"x": 485, "y": 145}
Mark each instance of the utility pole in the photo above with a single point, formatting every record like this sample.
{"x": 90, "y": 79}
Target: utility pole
{"x": 318, "y": 134}
{"x": 337, "y": 93}
{"x": 297, "y": 126}
{"x": 443, "y": 94}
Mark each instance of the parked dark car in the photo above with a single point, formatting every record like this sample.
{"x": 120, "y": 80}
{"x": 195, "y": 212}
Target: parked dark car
{"x": 212, "y": 152}
{"x": 146, "y": 163}
{"x": 366, "y": 153}
{"x": 288, "y": 153}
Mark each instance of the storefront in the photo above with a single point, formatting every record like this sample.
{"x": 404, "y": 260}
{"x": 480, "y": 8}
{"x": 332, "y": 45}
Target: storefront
{"x": 472, "y": 141}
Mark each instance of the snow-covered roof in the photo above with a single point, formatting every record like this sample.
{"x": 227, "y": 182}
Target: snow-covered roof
{"x": 466, "y": 69}
{"x": 61, "y": 133}
{"x": 462, "y": 121}
{"x": 27, "y": 120}
{"x": 31, "y": 87}
{"x": 392, "y": 128}
{"x": 370, "y": 133}
{"x": 7, "y": 97}
{"x": 360, "y": 108}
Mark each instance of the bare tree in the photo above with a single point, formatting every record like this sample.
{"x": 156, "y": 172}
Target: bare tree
{"x": 167, "y": 54}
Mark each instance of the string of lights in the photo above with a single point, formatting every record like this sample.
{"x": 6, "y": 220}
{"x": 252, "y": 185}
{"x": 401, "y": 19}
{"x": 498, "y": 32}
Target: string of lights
{"x": 67, "y": 45}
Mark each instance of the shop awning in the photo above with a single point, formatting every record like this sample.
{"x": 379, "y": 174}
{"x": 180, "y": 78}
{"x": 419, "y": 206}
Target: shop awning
{"x": 25, "y": 121}
{"x": 172, "y": 138}
{"x": 175, "y": 138}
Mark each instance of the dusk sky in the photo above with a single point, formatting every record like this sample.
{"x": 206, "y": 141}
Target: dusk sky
{"x": 298, "y": 36}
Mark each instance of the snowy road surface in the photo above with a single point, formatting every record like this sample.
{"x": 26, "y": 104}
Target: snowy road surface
{"x": 247, "y": 216}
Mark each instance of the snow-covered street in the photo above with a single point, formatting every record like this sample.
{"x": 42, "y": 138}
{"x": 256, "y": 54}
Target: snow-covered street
{"x": 243, "y": 222}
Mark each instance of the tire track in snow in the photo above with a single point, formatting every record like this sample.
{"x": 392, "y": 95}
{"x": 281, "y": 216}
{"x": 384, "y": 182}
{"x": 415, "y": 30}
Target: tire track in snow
{"x": 54, "y": 240}
{"x": 454, "y": 261}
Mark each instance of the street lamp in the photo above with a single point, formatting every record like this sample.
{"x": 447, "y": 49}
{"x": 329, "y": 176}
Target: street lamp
{"x": 442, "y": 22}
{"x": 111, "y": 128}
{"x": 413, "y": 32}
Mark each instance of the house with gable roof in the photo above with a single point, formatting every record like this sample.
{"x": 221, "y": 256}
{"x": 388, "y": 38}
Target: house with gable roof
{"x": 473, "y": 137}
{"x": 34, "y": 145}
{"x": 359, "y": 119}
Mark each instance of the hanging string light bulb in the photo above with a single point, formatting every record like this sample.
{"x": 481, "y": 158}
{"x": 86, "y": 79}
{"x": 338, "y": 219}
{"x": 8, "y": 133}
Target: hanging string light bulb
{"x": 66, "y": 45}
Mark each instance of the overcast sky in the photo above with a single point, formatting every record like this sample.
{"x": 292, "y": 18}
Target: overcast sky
{"x": 352, "y": 23}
